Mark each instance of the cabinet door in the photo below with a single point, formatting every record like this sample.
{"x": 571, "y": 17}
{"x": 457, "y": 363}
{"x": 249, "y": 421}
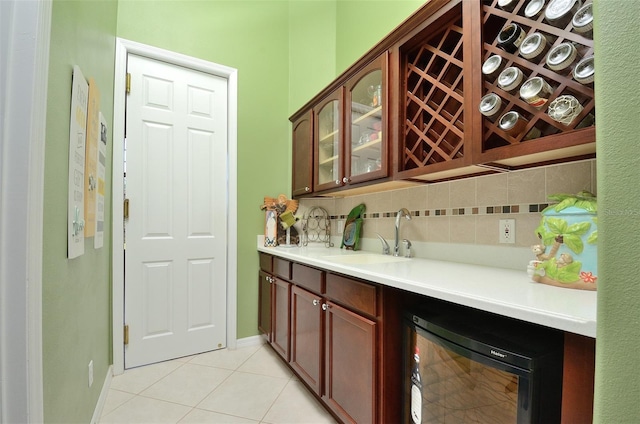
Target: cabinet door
{"x": 280, "y": 325}
{"x": 264, "y": 304}
{"x": 365, "y": 131}
{"x": 328, "y": 169}
{"x": 302, "y": 166}
{"x": 350, "y": 365}
{"x": 306, "y": 336}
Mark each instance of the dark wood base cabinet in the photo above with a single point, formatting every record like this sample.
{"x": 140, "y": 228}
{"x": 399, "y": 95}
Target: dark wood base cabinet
{"x": 330, "y": 330}
{"x": 343, "y": 339}
{"x": 306, "y": 337}
{"x": 578, "y": 379}
{"x": 350, "y": 366}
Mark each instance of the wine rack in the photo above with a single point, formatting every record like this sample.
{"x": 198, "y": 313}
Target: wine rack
{"x": 433, "y": 79}
{"x": 562, "y": 83}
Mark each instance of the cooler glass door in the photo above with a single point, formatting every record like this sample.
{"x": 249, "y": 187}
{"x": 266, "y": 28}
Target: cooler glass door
{"x": 459, "y": 385}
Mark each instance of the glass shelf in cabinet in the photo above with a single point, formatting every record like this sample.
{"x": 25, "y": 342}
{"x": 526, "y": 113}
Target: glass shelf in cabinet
{"x": 366, "y": 112}
{"x": 372, "y": 144}
{"x": 328, "y": 161}
{"x": 329, "y": 136}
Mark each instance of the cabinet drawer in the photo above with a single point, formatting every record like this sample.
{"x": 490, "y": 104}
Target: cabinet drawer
{"x": 282, "y": 268}
{"x": 266, "y": 262}
{"x": 309, "y": 278}
{"x": 352, "y": 293}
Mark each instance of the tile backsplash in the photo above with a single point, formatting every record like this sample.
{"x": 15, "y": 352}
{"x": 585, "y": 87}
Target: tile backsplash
{"x": 466, "y": 211}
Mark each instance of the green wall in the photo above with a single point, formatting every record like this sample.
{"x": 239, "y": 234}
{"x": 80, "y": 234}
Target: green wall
{"x": 76, "y": 293}
{"x": 312, "y": 49}
{"x": 361, "y": 24}
{"x": 617, "y": 393}
{"x": 253, "y": 37}
{"x": 285, "y": 53}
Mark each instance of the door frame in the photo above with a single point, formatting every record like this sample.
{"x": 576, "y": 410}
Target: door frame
{"x": 26, "y": 35}
{"x": 123, "y": 48}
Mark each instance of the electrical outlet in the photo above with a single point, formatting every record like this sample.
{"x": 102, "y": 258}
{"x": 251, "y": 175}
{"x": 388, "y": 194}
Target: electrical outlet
{"x": 340, "y": 226}
{"x": 507, "y": 231}
{"x": 91, "y": 373}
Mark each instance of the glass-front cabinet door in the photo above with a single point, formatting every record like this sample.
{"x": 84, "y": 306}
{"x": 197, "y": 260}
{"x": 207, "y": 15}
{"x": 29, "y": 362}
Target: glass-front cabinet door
{"x": 366, "y": 145}
{"x": 328, "y": 128}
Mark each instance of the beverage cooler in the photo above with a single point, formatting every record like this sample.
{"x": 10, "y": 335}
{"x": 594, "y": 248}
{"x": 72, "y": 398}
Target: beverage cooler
{"x": 466, "y": 366}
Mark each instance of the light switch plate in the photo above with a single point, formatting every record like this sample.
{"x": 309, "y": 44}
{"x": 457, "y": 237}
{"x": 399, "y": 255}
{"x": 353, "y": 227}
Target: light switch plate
{"x": 507, "y": 231}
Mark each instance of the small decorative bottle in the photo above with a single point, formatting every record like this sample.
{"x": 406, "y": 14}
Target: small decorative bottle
{"x": 416, "y": 389}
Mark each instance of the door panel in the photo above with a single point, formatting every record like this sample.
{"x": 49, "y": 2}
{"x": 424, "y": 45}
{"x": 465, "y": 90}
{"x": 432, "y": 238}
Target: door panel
{"x": 281, "y": 317}
{"x": 306, "y": 336}
{"x": 176, "y": 173}
{"x": 350, "y": 382}
{"x": 302, "y": 143}
{"x": 264, "y": 304}
{"x": 157, "y": 292}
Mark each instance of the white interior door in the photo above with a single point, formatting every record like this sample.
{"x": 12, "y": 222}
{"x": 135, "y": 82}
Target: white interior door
{"x": 176, "y": 233}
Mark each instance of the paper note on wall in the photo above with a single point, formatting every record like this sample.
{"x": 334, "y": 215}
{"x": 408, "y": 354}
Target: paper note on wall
{"x": 102, "y": 163}
{"x": 91, "y": 157}
{"x": 77, "y": 140}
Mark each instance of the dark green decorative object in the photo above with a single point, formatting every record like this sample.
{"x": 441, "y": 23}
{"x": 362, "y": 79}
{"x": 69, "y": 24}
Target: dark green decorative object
{"x": 353, "y": 228}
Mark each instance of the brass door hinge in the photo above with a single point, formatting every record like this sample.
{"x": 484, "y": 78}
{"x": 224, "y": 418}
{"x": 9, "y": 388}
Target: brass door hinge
{"x": 128, "y": 83}
{"x": 125, "y": 209}
{"x": 126, "y": 335}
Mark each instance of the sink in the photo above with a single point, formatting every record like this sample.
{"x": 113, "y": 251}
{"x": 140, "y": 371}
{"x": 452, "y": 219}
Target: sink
{"x": 364, "y": 259}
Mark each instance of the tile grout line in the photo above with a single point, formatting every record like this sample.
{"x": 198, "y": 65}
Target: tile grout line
{"x": 274, "y": 401}
{"x": 191, "y": 408}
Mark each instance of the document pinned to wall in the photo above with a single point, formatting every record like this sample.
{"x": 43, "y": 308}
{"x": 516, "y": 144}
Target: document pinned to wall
{"x": 77, "y": 141}
{"x": 91, "y": 158}
{"x": 98, "y": 239}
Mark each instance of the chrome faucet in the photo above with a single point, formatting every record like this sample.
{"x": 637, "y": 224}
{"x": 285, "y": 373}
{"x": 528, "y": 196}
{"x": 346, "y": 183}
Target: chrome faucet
{"x": 402, "y": 212}
{"x": 385, "y": 246}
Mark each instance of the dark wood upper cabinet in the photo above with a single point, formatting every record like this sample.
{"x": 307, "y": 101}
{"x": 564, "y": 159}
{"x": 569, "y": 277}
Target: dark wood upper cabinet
{"x": 366, "y": 151}
{"x": 434, "y": 104}
{"x": 302, "y": 164}
{"x": 350, "y": 130}
{"x": 543, "y": 138}
{"x": 328, "y": 151}
{"x": 432, "y": 84}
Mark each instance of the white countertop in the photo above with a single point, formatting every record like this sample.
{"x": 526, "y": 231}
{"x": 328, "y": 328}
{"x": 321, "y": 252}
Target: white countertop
{"x": 501, "y": 291}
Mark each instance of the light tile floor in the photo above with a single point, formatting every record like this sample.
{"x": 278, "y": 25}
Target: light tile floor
{"x": 247, "y": 385}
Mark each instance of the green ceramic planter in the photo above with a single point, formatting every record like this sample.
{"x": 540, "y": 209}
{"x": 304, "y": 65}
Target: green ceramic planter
{"x": 567, "y": 255}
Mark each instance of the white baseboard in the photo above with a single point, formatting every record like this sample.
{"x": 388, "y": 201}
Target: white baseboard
{"x": 250, "y": 341}
{"x": 97, "y": 412}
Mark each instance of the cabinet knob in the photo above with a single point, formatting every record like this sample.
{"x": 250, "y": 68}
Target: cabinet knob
{"x": 316, "y": 302}
{"x": 325, "y": 306}
{"x": 345, "y": 180}
{"x": 307, "y": 189}
{"x": 338, "y": 182}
